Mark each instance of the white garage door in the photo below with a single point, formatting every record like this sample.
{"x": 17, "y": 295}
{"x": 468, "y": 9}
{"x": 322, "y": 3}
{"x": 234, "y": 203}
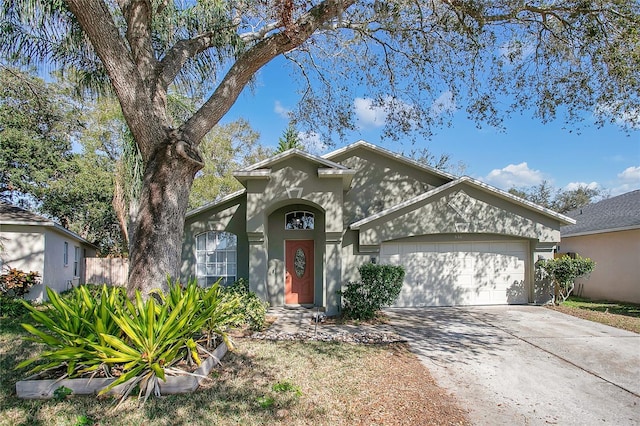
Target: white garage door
{"x": 449, "y": 274}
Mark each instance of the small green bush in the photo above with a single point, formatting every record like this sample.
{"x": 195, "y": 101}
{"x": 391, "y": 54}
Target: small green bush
{"x": 563, "y": 272}
{"x": 252, "y": 310}
{"x": 380, "y": 286}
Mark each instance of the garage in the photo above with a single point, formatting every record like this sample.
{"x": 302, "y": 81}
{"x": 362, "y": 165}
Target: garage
{"x": 460, "y": 273}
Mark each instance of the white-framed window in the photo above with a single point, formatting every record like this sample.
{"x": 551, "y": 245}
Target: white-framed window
{"x": 76, "y": 261}
{"x": 216, "y": 257}
{"x": 299, "y": 220}
{"x": 65, "y": 254}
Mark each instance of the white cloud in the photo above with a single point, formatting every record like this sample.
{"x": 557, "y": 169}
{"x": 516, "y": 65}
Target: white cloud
{"x": 572, "y": 186}
{"x": 630, "y": 175}
{"x": 281, "y": 110}
{"x": 444, "y": 104}
{"x": 312, "y": 142}
{"x": 628, "y": 180}
{"x": 368, "y": 114}
{"x": 514, "y": 175}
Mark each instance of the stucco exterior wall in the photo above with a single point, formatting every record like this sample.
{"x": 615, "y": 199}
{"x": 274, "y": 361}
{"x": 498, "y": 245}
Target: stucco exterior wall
{"x": 24, "y": 250}
{"x": 59, "y": 276}
{"x": 228, "y": 217}
{"x": 617, "y": 272}
{"x": 41, "y": 249}
{"x": 380, "y": 183}
{"x": 460, "y": 211}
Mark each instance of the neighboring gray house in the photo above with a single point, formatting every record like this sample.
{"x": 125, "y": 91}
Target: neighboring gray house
{"x": 609, "y": 233}
{"x": 304, "y": 224}
{"x": 34, "y": 243}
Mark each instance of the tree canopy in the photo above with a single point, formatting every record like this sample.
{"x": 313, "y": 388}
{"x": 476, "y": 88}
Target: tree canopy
{"x": 39, "y": 122}
{"x": 289, "y": 139}
{"x": 492, "y": 58}
{"x": 225, "y": 149}
{"x": 560, "y": 200}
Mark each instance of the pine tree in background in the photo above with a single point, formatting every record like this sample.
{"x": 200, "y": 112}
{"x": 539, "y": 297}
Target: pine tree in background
{"x": 289, "y": 140}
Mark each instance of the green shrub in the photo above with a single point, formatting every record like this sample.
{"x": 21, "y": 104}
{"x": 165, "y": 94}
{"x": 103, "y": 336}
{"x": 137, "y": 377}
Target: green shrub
{"x": 94, "y": 290}
{"x": 72, "y": 326}
{"x": 84, "y": 331}
{"x": 16, "y": 283}
{"x": 563, "y": 272}
{"x": 251, "y": 309}
{"x": 155, "y": 336}
{"x": 380, "y": 286}
{"x": 12, "y": 307}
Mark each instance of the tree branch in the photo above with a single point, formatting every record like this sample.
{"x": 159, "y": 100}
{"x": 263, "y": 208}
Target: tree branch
{"x": 98, "y": 24}
{"x": 138, "y": 15}
{"x": 255, "y": 58}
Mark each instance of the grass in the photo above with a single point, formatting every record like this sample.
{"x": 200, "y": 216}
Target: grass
{"x": 616, "y": 314}
{"x": 261, "y": 383}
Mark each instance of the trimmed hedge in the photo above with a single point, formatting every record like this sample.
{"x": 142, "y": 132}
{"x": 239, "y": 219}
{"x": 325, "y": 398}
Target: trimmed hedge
{"x": 380, "y": 286}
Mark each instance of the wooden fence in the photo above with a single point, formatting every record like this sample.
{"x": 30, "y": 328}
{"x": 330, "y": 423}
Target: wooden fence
{"x": 110, "y": 271}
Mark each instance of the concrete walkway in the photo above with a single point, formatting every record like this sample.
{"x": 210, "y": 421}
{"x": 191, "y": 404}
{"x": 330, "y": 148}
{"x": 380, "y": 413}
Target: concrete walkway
{"x": 527, "y": 365}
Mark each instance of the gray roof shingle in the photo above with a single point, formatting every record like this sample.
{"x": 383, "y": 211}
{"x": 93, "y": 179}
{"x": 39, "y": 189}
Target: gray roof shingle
{"x": 10, "y": 214}
{"x": 615, "y": 213}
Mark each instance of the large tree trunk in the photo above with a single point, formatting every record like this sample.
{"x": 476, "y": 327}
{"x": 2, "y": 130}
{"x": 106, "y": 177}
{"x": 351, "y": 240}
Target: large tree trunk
{"x": 156, "y": 240}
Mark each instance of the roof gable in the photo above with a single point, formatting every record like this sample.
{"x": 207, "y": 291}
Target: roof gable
{"x": 10, "y": 214}
{"x": 405, "y": 161}
{"x": 474, "y": 183}
{"x": 294, "y": 152}
{"x": 612, "y": 214}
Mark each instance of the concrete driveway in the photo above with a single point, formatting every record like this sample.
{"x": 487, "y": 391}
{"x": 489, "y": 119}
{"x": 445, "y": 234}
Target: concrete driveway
{"x": 527, "y": 365}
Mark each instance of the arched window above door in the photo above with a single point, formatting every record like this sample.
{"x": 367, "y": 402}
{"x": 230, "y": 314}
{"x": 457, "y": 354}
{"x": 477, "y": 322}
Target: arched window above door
{"x": 299, "y": 220}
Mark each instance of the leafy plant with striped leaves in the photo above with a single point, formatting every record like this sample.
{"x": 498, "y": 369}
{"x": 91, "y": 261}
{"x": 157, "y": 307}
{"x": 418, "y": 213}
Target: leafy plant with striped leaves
{"x": 156, "y": 334}
{"x": 72, "y": 325}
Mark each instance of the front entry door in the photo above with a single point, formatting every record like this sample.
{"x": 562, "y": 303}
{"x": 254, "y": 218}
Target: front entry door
{"x": 299, "y": 276}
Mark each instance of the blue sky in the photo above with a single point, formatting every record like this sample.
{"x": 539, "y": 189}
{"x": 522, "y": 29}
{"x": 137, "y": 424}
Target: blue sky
{"x": 524, "y": 155}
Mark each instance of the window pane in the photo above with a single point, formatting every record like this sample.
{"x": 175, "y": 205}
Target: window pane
{"x": 299, "y": 220}
{"x": 222, "y": 241}
{"x": 233, "y": 242}
{"x": 216, "y": 257}
{"x": 201, "y": 270}
{"x": 201, "y": 242}
{"x": 211, "y": 269}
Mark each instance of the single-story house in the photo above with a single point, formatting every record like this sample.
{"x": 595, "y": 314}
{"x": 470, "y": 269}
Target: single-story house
{"x": 303, "y": 224}
{"x": 609, "y": 233}
{"x": 30, "y": 242}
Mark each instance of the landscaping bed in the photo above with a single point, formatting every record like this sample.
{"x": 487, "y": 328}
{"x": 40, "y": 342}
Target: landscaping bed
{"x": 261, "y": 382}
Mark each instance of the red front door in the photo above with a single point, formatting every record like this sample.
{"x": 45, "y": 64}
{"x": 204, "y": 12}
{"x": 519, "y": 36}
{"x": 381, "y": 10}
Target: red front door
{"x": 298, "y": 286}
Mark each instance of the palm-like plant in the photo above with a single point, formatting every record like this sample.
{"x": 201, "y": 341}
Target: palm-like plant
{"x": 72, "y": 326}
{"x": 154, "y": 337}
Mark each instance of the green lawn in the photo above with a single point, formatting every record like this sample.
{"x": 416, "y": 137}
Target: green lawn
{"x": 616, "y": 314}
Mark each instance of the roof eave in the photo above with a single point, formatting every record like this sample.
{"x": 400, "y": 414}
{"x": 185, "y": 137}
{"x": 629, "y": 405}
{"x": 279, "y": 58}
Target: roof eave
{"x": 213, "y": 204}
